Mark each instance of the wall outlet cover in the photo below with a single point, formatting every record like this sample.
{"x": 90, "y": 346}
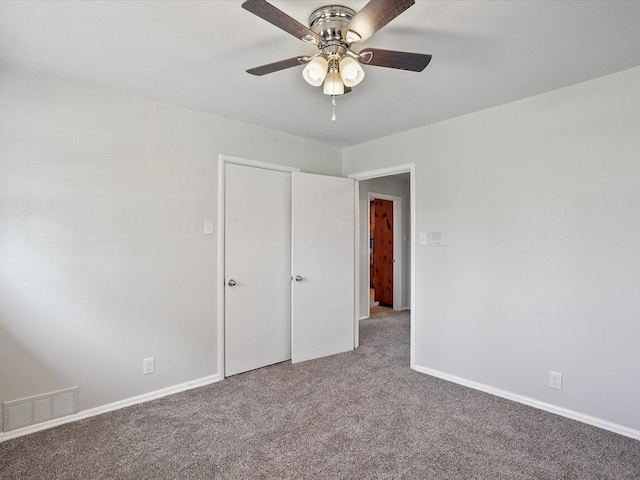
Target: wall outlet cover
{"x": 437, "y": 238}
{"x": 148, "y": 365}
{"x": 555, "y": 380}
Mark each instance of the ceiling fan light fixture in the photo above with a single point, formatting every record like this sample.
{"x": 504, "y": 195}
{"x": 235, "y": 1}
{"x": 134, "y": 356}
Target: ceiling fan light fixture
{"x": 333, "y": 84}
{"x": 351, "y": 72}
{"x": 316, "y": 71}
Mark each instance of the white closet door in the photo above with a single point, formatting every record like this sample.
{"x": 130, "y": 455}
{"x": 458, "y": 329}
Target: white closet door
{"x": 258, "y": 261}
{"x": 323, "y": 221}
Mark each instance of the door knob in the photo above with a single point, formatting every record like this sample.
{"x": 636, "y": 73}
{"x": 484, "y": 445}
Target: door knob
{"x": 298, "y": 278}
{"x": 231, "y": 283}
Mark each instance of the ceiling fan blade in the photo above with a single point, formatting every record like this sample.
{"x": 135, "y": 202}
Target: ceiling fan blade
{"x": 372, "y": 17}
{"x": 277, "y": 17}
{"x": 276, "y": 66}
{"x": 415, "y": 62}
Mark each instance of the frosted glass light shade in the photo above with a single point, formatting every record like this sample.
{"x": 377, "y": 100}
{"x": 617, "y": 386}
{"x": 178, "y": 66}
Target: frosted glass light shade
{"x": 351, "y": 72}
{"x": 315, "y": 71}
{"x": 333, "y": 84}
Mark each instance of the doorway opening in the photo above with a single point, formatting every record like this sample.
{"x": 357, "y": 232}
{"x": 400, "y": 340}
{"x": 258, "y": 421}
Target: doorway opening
{"x": 385, "y": 241}
{"x": 395, "y": 184}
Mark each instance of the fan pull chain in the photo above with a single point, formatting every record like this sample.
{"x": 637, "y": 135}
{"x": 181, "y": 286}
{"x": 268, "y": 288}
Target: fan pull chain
{"x": 333, "y": 103}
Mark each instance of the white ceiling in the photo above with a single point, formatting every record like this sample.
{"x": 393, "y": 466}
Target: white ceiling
{"x": 194, "y": 54}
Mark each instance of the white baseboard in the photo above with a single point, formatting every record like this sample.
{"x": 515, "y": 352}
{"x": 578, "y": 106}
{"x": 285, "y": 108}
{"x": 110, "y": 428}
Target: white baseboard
{"x": 563, "y": 412}
{"x": 92, "y": 412}
{"x": 364, "y": 317}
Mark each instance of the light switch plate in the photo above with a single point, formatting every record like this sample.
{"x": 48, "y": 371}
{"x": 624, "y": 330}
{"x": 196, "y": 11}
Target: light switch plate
{"x": 423, "y": 238}
{"x": 208, "y": 227}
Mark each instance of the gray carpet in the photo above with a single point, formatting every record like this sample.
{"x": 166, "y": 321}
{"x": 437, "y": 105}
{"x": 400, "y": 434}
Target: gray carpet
{"x": 362, "y": 414}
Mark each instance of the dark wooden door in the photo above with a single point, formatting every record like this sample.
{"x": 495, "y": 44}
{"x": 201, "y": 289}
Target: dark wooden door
{"x": 383, "y": 251}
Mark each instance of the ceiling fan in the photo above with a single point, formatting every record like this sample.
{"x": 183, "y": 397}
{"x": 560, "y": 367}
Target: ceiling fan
{"x": 334, "y": 29}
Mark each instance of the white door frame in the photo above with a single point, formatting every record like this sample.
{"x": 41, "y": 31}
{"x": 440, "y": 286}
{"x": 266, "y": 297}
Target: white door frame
{"x": 383, "y": 172}
{"x": 222, "y": 162}
{"x": 398, "y": 260}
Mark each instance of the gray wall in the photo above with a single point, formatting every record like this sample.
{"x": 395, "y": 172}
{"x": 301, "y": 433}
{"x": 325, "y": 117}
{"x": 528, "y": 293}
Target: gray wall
{"x": 541, "y": 271}
{"x": 103, "y": 260}
{"x": 390, "y": 185}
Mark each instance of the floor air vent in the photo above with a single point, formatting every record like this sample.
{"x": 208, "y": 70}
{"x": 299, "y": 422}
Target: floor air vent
{"x": 41, "y": 408}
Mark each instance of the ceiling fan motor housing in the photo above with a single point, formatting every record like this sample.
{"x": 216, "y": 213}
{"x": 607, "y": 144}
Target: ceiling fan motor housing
{"x": 328, "y": 21}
